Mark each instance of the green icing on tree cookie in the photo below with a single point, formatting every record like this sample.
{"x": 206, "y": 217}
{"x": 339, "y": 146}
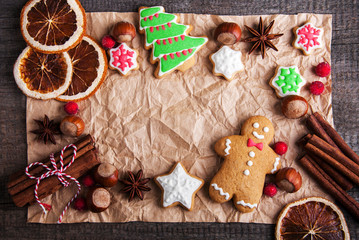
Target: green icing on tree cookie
{"x": 145, "y": 12}
{"x": 167, "y": 32}
{"x": 168, "y": 39}
{"x": 176, "y": 44}
{"x": 162, "y": 18}
{"x": 289, "y": 81}
{"x": 173, "y": 60}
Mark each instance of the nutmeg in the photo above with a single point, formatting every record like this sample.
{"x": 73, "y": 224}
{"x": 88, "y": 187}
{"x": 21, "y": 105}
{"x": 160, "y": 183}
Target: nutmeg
{"x": 106, "y": 175}
{"x": 294, "y": 106}
{"x": 228, "y": 33}
{"x": 98, "y": 199}
{"x": 288, "y": 179}
{"x": 123, "y": 32}
{"x": 72, "y": 126}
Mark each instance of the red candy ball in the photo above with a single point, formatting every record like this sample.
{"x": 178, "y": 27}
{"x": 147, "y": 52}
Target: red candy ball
{"x": 88, "y": 181}
{"x": 71, "y": 108}
{"x": 280, "y": 148}
{"x": 323, "y": 69}
{"x": 80, "y": 204}
{"x": 270, "y": 189}
{"x": 316, "y": 87}
{"x": 108, "y": 42}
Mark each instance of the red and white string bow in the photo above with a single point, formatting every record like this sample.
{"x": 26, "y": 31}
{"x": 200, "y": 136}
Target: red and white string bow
{"x": 61, "y": 175}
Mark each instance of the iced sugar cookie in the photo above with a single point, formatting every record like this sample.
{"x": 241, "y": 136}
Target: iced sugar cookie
{"x": 179, "y": 187}
{"x": 247, "y": 159}
{"x": 308, "y": 38}
{"x": 123, "y": 59}
{"x": 287, "y": 81}
{"x": 171, "y": 47}
{"x": 226, "y": 62}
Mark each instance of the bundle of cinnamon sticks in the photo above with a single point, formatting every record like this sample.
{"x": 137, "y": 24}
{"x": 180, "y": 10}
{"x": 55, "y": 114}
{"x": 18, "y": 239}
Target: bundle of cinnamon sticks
{"x": 331, "y": 161}
{"x": 21, "y": 187}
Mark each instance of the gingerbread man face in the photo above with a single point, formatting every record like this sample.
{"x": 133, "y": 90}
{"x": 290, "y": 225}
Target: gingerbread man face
{"x": 247, "y": 159}
{"x": 258, "y": 128}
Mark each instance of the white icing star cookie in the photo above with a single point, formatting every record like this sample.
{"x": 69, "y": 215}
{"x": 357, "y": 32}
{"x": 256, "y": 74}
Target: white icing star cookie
{"x": 308, "y": 38}
{"x": 123, "y": 59}
{"x": 226, "y": 62}
{"x": 179, "y": 187}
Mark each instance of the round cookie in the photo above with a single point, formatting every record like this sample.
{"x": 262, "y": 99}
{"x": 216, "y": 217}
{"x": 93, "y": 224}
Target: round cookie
{"x": 247, "y": 159}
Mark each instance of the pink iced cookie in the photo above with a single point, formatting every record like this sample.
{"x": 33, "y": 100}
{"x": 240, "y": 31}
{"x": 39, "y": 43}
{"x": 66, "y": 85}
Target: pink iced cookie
{"x": 123, "y": 59}
{"x": 308, "y": 38}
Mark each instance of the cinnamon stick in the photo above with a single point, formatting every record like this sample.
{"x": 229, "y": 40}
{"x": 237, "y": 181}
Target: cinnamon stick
{"x": 333, "y": 162}
{"x": 316, "y": 127}
{"x": 20, "y": 177}
{"x": 331, "y": 186}
{"x": 339, "y": 141}
{"x": 38, "y": 171}
{"x": 334, "y": 153}
{"x": 51, "y": 184}
{"x": 342, "y": 181}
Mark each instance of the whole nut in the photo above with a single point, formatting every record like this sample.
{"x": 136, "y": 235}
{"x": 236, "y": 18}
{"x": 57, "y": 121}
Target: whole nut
{"x": 288, "y": 179}
{"x": 228, "y": 33}
{"x": 123, "y": 32}
{"x": 72, "y": 126}
{"x": 294, "y": 106}
{"x": 98, "y": 199}
{"x": 106, "y": 175}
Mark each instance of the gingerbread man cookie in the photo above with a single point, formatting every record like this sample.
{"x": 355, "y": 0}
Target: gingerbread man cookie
{"x": 247, "y": 159}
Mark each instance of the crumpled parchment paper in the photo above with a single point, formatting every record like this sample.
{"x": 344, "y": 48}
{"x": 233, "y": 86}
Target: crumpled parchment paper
{"x": 140, "y": 122}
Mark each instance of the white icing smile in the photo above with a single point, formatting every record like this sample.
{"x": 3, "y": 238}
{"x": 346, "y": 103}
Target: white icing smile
{"x": 227, "y": 147}
{"x": 257, "y": 135}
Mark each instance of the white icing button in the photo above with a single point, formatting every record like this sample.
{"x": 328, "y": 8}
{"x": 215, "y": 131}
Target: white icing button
{"x": 250, "y": 163}
{"x": 266, "y": 129}
{"x": 252, "y": 154}
{"x": 246, "y": 172}
{"x": 256, "y": 125}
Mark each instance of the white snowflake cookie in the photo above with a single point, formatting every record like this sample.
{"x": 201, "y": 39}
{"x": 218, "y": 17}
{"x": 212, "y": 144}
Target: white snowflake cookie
{"x": 308, "y": 38}
{"x": 226, "y": 62}
{"x": 287, "y": 81}
{"x": 123, "y": 59}
{"x": 179, "y": 187}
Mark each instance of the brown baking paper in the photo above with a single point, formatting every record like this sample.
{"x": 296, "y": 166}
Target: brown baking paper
{"x": 140, "y": 122}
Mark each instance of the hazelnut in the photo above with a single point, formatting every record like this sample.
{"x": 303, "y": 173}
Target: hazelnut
{"x": 72, "y": 126}
{"x": 294, "y": 106}
{"x": 123, "y": 32}
{"x": 228, "y": 33}
{"x": 288, "y": 179}
{"x": 98, "y": 199}
{"x": 106, "y": 175}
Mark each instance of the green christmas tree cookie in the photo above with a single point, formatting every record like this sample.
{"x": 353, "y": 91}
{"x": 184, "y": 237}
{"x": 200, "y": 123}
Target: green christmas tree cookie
{"x": 171, "y": 46}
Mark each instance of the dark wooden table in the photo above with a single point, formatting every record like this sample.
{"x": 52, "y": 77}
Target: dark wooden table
{"x": 345, "y": 74}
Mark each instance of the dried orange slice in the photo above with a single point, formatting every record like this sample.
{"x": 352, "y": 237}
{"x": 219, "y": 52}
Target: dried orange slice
{"x": 53, "y": 26}
{"x": 311, "y": 218}
{"x": 89, "y": 70}
{"x": 42, "y": 76}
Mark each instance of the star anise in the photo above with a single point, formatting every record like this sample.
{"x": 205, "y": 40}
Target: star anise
{"x": 262, "y": 37}
{"x": 135, "y": 185}
{"x": 47, "y": 129}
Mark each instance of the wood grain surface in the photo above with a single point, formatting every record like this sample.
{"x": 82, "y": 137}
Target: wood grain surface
{"x": 345, "y": 75}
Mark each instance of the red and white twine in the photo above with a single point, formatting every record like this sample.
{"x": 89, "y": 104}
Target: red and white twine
{"x": 61, "y": 175}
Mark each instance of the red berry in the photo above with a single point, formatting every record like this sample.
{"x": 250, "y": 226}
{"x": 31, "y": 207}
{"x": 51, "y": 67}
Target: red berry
{"x": 316, "y": 87}
{"x": 88, "y": 181}
{"x": 270, "y": 189}
{"x": 71, "y": 108}
{"x": 80, "y": 204}
{"x": 323, "y": 69}
{"x": 280, "y": 148}
{"x": 108, "y": 42}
